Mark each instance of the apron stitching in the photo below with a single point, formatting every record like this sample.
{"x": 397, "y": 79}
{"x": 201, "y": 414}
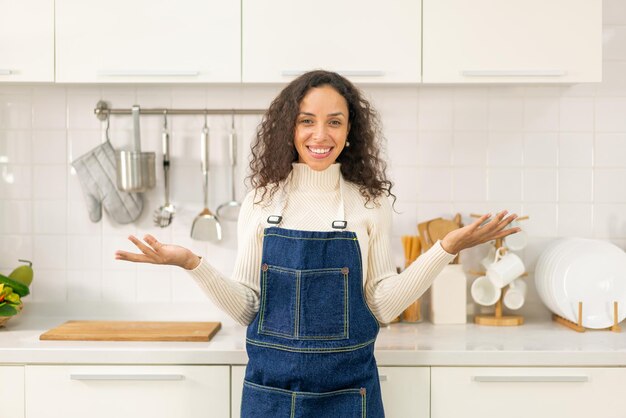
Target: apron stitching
{"x": 310, "y": 239}
{"x": 346, "y": 311}
{"x": 297, "y": 319}
{"x": 310, "y": 350}
{"x": 303, "y": 394}
{"x": 263, "y": 300}
{"x": 293, "y": 405}
{"x": 363, "y": 403}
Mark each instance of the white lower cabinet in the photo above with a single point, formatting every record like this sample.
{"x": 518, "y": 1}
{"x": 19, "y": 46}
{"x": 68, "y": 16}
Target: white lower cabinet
{"x": 516, "y": 392}
{"x": 406, "y": 391}
{"x": 12, "y": 391}
{"x": 127, "y": 391}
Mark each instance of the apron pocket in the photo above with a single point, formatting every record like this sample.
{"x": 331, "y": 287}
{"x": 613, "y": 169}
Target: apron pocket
{"x": 277, "y": 312}
{"x": 260, "y": 401}
{"x": 349, "y": 403}
{"x": 264, "y": 401}
{"x": 323, "y": 311}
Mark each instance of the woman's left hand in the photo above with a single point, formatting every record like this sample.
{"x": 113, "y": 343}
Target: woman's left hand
{"x": 476, "y": 233}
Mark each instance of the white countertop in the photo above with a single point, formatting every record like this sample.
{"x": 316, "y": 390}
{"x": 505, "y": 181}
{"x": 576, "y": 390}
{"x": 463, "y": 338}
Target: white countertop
{"x": 539, "y": 342}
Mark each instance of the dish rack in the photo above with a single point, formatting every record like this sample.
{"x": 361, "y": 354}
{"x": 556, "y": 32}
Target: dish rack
{"x": 579, "y": 325}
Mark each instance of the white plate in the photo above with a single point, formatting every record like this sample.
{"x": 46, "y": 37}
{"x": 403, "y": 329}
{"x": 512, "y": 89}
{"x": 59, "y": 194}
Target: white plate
{"x": 593, "y": 272}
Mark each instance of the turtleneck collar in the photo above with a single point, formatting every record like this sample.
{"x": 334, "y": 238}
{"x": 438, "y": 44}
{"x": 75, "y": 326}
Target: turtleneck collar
{"x": 304, "y": 176}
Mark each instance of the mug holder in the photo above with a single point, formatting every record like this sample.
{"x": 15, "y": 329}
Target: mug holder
{"x": 498, "y": 319}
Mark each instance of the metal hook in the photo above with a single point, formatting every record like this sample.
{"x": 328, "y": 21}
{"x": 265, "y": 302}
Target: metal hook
{"x": 165, "y": 119}
{"x": 206, "y": 112}
{"x": 232, "y": 120}
{"x": 106, "y": 131}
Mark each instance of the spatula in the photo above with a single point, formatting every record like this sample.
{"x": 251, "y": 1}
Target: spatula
{"x": 206, "y": 226}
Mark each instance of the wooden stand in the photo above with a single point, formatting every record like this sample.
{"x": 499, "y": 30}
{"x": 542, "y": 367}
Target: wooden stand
{"x": 497, "y": 319}
{"x": 579, "y": 326}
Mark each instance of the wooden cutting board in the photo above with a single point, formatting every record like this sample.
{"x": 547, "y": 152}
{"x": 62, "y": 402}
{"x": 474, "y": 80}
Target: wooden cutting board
{"x": 132, "y": 331}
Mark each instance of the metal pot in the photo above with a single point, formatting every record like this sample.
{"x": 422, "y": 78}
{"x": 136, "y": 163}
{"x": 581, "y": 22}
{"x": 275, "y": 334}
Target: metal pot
{"x": 135, "y": 169}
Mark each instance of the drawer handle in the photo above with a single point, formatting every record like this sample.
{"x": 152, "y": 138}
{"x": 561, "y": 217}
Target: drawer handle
{"x": 513, "y": 73}
{"x": 146, "y": 73}
{"x": 382, "y": 377}
{"x": 5, "y": 72}
{"x": 531, "y": 378}
{"x": 127, "y": 377}
{"x": 354, "y": 73}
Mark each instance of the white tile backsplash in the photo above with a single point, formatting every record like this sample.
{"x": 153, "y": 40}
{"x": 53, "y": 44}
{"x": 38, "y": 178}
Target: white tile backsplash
{"x": 556, "y": 153}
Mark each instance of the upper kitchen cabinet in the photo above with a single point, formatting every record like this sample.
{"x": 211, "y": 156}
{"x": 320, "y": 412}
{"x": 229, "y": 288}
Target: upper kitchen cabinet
{"x": 511, "y": 41}
{"x": 185, "y": 41}
{"x": 26, "y": 40}
{"x": 366, "y": 40}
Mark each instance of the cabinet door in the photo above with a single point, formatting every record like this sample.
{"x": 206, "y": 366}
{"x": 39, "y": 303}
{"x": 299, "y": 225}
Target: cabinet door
{"x": 147, "y": 41}
{"x": 26, "y": 40}
{"x": 12, "y": 391}
{"x": 365, "y": 40}
{"x": 516, "y": 392}
{"x": 406, "y": 391}
{"x": 127, "y": 391}
{"x": 512, "y": 41}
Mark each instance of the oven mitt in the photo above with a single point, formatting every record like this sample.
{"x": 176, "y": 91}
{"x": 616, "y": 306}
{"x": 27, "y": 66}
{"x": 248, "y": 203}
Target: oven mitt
{"x": 97, "y": 176}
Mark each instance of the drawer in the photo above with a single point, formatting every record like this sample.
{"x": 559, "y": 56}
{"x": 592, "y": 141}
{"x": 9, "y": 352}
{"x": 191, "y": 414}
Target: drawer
{"x": 485, "y": 392}
{"x": 127, "y": 391}
{"x": 405, "y": 390}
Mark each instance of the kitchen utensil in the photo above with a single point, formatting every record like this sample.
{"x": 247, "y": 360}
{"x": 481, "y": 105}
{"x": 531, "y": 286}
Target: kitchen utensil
{"x": 206, "y": 226}
{"x": 515, "y": 294}
{"x": 484, "y": 292}
{"x": 96, "y": 171}
{"x": 135, "y": 169}
{"x": 132, "y": 331}
{"x": 164, "y": 214}
{"x": 230, "y": 209}
{"x": 412, "y": 247}
{"x": 505, "y": 268}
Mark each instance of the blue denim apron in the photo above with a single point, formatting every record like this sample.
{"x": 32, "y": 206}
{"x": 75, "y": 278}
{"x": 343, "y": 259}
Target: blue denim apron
{"x": 311, "y": 346}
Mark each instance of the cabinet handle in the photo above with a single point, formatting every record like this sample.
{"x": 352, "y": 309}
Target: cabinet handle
{"x": 5, "y": 72}
{"x": 127, "y": 377}
{"x": 530, "y": 378}
{"x": 354, "y": 73}
{"x": 513, "y": 73}
{"x": 146, "y": 73}
{"x": 382, "y": 377}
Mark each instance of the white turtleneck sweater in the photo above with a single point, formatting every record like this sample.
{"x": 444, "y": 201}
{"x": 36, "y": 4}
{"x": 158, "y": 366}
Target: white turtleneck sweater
{"x": 312, "y": 204}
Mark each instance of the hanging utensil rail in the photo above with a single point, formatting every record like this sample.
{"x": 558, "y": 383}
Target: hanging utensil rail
{"x": 102, "y": 110}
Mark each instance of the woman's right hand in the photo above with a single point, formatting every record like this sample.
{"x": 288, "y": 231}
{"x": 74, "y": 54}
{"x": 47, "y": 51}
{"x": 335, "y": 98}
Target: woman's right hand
{"x": 152, "y": 251}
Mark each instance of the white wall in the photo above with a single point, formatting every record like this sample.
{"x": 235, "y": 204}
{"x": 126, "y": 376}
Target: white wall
{"x": 555, "y": 153}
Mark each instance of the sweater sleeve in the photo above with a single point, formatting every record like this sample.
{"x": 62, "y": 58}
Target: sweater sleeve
{"x": 389, "y": 293}
{"x": 239, "y": 296}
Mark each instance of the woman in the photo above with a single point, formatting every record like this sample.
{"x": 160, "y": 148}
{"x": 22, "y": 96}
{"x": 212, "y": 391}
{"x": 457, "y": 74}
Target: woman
{"x": 314, "y": 275}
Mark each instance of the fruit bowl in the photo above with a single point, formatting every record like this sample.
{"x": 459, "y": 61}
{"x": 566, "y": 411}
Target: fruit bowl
{"x": 5, "y": 319}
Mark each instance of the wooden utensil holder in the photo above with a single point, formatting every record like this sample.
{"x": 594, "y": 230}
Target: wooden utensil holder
{"x": 579, "y": 326}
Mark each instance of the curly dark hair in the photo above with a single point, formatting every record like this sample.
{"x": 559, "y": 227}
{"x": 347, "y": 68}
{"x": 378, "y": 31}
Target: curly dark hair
{"x": 273, "y": 149}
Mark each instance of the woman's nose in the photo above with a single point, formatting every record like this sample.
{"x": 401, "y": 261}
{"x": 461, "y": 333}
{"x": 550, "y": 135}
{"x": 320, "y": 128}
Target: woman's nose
{"x": 320, "y": 132}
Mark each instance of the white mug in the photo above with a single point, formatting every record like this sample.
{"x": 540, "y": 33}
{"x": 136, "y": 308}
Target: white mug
{"x": 488, "y": 259}
{"x": 484, "y": 292}
{"x": 516, "y": 241}
{"x": 505, "y": 268}
{"x": 515, "y": 294}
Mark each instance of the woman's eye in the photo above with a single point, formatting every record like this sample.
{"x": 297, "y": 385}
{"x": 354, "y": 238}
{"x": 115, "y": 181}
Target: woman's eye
{"x": 306, "y": 121}
{"x": 335, "y": 122}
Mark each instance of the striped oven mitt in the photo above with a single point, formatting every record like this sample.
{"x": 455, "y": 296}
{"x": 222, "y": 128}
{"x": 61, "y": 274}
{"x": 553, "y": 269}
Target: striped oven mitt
{"x": 97, "y": 176}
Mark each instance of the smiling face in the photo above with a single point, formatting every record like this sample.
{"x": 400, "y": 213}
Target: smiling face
{"x": 321, "y": 127}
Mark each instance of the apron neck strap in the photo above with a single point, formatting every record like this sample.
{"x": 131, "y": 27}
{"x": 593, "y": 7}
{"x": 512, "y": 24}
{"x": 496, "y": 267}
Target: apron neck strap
{"x": 281, "y": 203}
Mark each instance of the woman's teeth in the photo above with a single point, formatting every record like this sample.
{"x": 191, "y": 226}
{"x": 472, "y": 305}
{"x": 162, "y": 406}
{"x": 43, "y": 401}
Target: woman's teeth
{"x": 319, "y": 150}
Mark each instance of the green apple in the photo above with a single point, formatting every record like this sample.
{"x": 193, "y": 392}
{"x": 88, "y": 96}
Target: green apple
{"x": 23, "y": 274}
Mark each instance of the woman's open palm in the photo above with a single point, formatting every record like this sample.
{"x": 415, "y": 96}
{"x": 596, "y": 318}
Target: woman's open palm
{"x": 152, "y": 251}
{"x": 479, "y": 232}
